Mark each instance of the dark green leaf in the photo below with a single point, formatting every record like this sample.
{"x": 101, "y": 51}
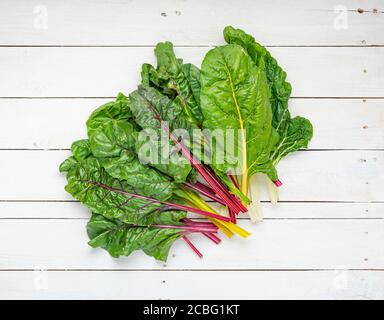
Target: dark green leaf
{"x": 110, "y": 129}
{"x": 150, "y": 109}
{"x": 180, "y": 82}
{"x": 121, "y": 239}
{"x": 91, "y": 184}
{"x": 144, "y": 179}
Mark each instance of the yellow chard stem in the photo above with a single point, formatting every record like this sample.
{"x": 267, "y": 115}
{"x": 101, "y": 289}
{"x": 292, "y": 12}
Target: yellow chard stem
{"x": 228, "y": 228}
{"x": 244, "y": 183}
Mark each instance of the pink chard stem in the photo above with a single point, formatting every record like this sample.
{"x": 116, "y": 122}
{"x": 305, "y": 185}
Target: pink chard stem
{"x": 167, "y": 204}
{"x": 190, "y": 244}
{"x": 278, "y": 183}
{"x": 204, "y": 192}
{"x": 212, "y": 237}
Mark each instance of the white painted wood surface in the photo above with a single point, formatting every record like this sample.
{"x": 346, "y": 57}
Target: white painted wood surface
{"x": 334, "y": 284}
{"x": 323, "y": 241}
{"x": 363, "y": 130}
{"x": 104, "y": 71}
{"x": 144, "y": 22}
{"x": 338, "y": 175}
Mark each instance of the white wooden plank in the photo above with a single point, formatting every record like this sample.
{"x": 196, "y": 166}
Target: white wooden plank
{"x": 284, "y": 210}
{"x": 336, "y": 284}
{"x": 103, "y": 72}
{"x": 56, "y": 123}
{"x": 146, "y": 22}
{"x": 274, "y": 244}
{"x": 307, "y": 176}
{"x": 355, "y": 124}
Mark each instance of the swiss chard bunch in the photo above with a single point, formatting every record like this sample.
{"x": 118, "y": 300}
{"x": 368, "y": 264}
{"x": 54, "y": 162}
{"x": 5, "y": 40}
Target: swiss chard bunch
{"x": 185, "y": 136}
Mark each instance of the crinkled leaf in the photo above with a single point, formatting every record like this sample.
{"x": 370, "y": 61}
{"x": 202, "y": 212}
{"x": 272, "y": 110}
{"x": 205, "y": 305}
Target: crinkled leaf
{"x": 90, "y": 184}
{"x": 121, "y": 239}
{"x": 67, "y": 164}
{"x": 112, "y": 132}
{"x": 81, "y": 149}
{"x": 235, "y": 95}
{"x": 150, "y": 109}
{"x": 145, "y": 180}
{"x": 180, "y": 82}
{"x": 192, "y": 74}
{"x": 110, "y": 129}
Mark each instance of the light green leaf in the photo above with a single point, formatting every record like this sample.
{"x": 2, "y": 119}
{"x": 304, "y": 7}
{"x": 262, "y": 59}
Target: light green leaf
{"x": 235, "y": 95}
{"x": 281, "y": 91}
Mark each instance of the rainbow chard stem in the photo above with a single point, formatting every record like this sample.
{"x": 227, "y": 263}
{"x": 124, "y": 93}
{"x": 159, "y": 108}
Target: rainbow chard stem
{"x": 190, "y": 244}
{"x": 278, "y": 183}
{"x": 167, "y": 205}
{"x": 236, "y": 205}
{"x": 215, "y": 184}
{"x": 210, "y": 235}
{"x": 200, "y": 229}
{"x": 234, "y": 181}
{"x": 205, "y": 191}
{"x": 232, "y": 216}
{"x": 236, "y": 184}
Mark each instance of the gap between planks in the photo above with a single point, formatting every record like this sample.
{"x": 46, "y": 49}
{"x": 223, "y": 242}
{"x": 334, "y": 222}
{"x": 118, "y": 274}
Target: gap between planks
{"x": 197, "y": 218}
{"x": 183, "y": 46}
{"x": 301, "y": 150}
{"x": 188, "y": 270}
{"x": 208, "y": 201}
{"x": 114, "y": 97}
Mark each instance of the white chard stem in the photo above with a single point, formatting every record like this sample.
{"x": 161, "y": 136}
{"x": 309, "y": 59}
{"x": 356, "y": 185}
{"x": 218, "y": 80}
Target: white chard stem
{"x": 272, "y": 191}
{"x": 255, "y": 209}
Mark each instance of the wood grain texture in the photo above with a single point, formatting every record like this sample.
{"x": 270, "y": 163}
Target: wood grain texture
{"x": 103, "y": 72}
{"x": 307, "y": 176}
{"x": 274, "y": 244}
{"x": 145, "y": 22}
{"x": 56, "y": 123}
{"x": 337, "y": 284}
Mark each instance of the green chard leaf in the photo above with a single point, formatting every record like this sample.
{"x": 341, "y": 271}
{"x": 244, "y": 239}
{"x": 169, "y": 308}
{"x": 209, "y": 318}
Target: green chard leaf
{"x": 114, "y": 139}
{"x": 111, "y": 129}
{"x": 89, "y": 182}
{"x": 192, "y": 74}
{"x": 150, "y": 109}
{"x": 80, "y": 150}
{"x": 121, "y": 239}
{"x": 293, "y": 134}
{"x": 149, "y": 182}
{"x": 235, "y": 95}
{"x": 180, "y": 82}
{"x": 297, "y": 136}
